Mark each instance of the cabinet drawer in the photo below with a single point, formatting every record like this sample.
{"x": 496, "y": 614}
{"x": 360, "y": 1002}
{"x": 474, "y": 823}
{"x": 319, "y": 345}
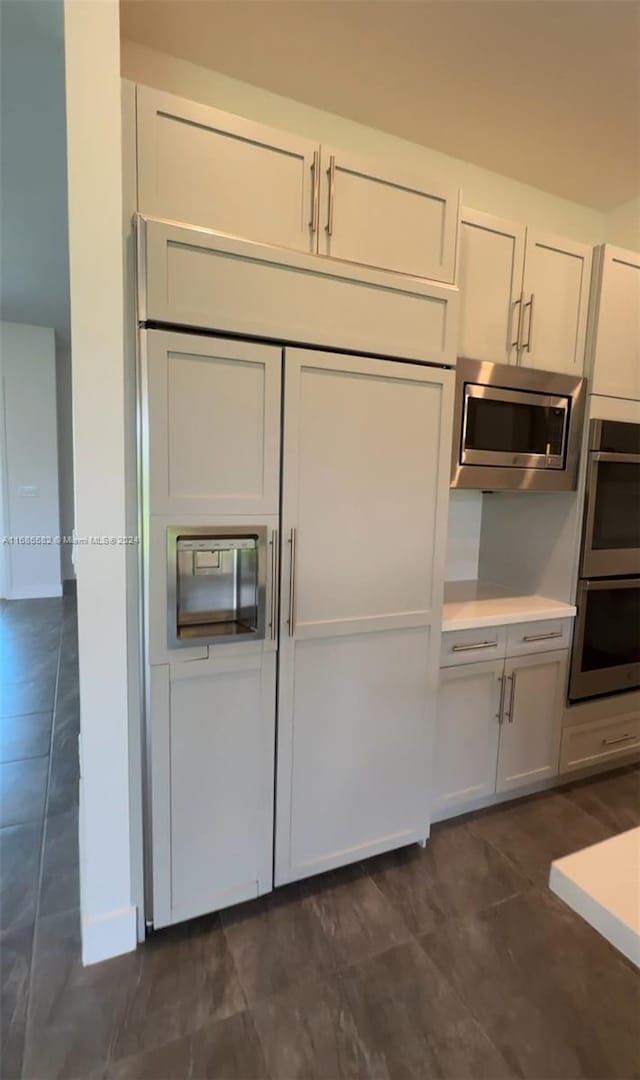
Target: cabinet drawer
{"x": 548, "y": 635}
{"x": 472, "y": 646}
{"x": 599, "y": 741}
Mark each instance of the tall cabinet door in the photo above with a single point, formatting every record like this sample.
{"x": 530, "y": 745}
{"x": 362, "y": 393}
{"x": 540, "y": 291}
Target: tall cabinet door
{"x": 205, "y": 167}
{"x": 490, "y": 281}
{"x": 380, "y": 217}
{"x": 531, "y": 719}
{"x": 366, "y": 462}
{"x": 212, "y": 762}
{"x": 616, "y": 369}
{"x": 213, "y": 425}
{"x": 557, "y": 275}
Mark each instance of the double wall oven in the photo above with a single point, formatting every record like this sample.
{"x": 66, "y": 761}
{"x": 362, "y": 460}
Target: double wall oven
{"x": 606, "y": 650}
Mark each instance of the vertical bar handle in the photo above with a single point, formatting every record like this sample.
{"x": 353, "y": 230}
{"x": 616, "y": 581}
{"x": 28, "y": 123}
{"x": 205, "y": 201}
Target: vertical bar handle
{"x": 516, "y": 304}
{"x": 528, "y": 343}
{"x": 292, "y": 583}
{"x": 315, "y": 192}
{"x": 331, "y": 173}
{"x": 509, "y": 713}
{"x": 274, "y": 584}
{"x": 501, "y": 702}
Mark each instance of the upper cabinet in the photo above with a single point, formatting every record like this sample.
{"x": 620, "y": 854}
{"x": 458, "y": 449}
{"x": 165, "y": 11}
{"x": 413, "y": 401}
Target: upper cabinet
{"x": 204, "y": 167}
{"x": 616, "y": 323}
{"x": 377, "y": 216}
{"x": 524, "y": 296}
{"x": 555, "y": 302}
{"x": 490, "y": 282}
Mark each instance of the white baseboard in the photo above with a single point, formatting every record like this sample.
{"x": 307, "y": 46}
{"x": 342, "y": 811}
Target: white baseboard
{"x": 34, "y": 592}
{"x": 109, "y": 935}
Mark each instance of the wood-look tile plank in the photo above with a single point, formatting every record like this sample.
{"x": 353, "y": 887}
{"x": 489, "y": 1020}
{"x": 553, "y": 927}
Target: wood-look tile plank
{"x": 32, "y": 696}
{"x": 186, "y": 979}
{"x": 20, "y": 847}
{"x": 456, "y": 873}
{"x": 613, "y": 799}
{"x": 314, "y": 926}
{"x": 60, "y": 885}
{"x": 533, "y": 832}
{"x": 15, "y": 956}
{"x": 228, "y": 1050}
{"x": 75, "y": 1011}
{"x": 25, "y": 736}
{"x": 392, "y": 1015}
{"x": 554, "y": 997}
{"x": 22, "y": 790}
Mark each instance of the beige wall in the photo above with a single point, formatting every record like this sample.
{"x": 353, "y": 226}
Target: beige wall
{"x": 622, "y": 225}
{"x": 481, "y": 189}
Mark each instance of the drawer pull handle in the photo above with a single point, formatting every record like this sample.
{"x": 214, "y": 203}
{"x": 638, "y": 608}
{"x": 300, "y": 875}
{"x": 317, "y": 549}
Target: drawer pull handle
{"x": 476, "y": 645}
{"x": 619, "y": 739}
{"x": 542, "y": 637}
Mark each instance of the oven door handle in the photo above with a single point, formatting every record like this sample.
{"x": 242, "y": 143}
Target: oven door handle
{"x": 595, "y": 584}
{"x": 607, "y": 455}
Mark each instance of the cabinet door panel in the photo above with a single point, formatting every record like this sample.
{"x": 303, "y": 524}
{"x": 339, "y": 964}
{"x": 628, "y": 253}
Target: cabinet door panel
{"x": 490, "y": 281}
{"x": 205, "y": 167}
{"x": 213, "y": 425}
{"x": 365, "y": 489}
{"x": 557, "y": 275}
{"x": 532, "y": 719}
{"x": 467, "y": 732}
{"x": 616, "y": 370}
{"x": 218, "y": 780}
{"x": 381, "y": 218}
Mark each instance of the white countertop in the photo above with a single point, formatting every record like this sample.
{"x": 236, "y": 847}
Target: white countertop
{"x": 602, "y": 883}
{"x": 472, "y": 604}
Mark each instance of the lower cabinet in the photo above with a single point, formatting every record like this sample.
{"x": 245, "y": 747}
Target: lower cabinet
{"x": 499, "y": 726}
{"x": 212, "y": 761}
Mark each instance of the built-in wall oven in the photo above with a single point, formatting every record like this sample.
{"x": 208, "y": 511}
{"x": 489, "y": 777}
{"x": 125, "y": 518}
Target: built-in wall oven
{"x": 606, "y": 645}
{"x": 516, "y": 429}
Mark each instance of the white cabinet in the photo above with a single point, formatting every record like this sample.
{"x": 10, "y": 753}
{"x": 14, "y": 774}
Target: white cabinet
{"x": 524, "y": 295}
{"x": 499, "y": 721}
{"x": 490, "y": 283}
{"x": 212, "y": 426}
{"x": 557, "y": 275}
{"x": 212, "y": 758}
{"x": 200, "y": 166}
{"x": 366, "y": 466}
{"x": 375, "y": 215}
{"x": 467, "y": 734}
{"x": 531, "y": 719}
{"x": 205, "y": 167}
{"x": 616, "y": 324}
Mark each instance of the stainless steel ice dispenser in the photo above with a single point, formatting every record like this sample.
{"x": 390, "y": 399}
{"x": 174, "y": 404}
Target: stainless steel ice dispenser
{"x": 216, "y": 580}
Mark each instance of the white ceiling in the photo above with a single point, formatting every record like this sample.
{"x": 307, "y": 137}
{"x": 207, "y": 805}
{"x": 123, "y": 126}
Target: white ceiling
{"x": 544, "y": 91}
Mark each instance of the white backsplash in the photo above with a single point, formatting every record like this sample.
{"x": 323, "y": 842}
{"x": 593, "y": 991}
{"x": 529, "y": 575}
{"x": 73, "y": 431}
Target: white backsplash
{"x": 463, "y": 544}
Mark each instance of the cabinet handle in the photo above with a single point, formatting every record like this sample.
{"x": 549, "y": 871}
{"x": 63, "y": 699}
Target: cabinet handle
{"x": 274, "y": 584}
{"x": 315, "y": 192}
{"x": 529, "y": 341}
{"x": 516, "y": 304}
{"x": 509, "y": 713}
{"x": 292, "y": 583}
{"x": 476, "y": 645}
{"x": 501, "y": 702}
{"x": 619, "y": 739}
{"x": 331, "y": 173}
{"x": 542, "y": 637}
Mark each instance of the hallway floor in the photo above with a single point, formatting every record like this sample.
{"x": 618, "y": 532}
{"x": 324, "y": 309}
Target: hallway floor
{"x": 451, "y": 962}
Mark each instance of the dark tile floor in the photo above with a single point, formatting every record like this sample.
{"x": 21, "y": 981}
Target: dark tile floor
{"x": 453, "y": 962}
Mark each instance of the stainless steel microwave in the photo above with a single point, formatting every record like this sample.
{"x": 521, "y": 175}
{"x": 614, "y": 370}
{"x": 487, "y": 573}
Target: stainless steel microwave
{"x": 516, "y": 429}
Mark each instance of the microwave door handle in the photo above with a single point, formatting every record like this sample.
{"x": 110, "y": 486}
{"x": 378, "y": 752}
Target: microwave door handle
{"x": 606, "y": 455}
